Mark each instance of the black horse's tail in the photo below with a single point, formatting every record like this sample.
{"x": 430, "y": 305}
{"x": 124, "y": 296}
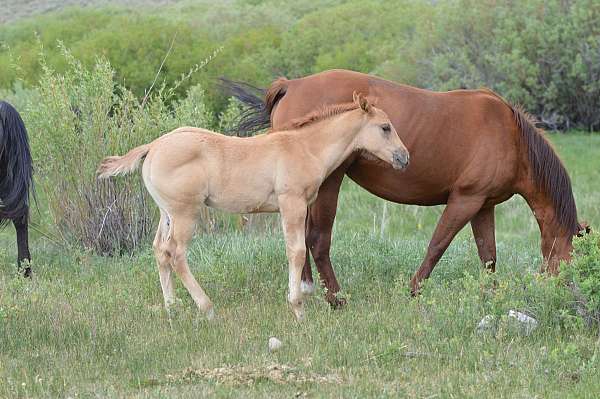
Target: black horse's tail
{"x": 15, "y": 165}
{"x": 258, "y": 104}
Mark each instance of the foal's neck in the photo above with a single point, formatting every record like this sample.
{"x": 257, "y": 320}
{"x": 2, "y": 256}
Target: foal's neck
{"x": 331, "y": 140}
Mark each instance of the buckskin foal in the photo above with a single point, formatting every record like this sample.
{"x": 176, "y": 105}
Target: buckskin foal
{"x": 189, "y": 168}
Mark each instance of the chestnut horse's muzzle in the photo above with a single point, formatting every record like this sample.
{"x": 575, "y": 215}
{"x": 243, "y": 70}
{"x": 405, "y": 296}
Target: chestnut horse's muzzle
{"x": 400, "y": 159}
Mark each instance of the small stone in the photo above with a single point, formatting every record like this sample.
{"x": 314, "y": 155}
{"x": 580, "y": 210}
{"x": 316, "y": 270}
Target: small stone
{"x": 274, "y": 344}
{"x": 527, "y": 323}
{"x": 486, "y": 324}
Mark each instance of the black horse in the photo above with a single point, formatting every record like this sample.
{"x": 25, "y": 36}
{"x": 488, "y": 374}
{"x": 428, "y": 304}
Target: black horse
{"x": 15, "y": 179}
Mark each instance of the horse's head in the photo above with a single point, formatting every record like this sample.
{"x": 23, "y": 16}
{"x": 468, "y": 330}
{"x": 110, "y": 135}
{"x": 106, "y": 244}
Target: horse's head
{"x": 378, "y": 135}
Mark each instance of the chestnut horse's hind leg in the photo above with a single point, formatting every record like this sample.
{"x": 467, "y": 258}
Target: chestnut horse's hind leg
{"x": 483, "y": 226}
{"x": 319, "y": 227}
{"x": 458, "y": 212}
{"x": 182, "y": 231}
{"x": 21, "y": 227}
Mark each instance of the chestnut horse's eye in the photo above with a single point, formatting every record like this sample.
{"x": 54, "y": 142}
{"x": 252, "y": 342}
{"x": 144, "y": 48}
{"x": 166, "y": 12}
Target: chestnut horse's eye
{"x": 386, "y": 128}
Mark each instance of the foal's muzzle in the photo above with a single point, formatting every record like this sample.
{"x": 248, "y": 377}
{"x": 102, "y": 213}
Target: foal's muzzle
{"x": 400, "y": 159}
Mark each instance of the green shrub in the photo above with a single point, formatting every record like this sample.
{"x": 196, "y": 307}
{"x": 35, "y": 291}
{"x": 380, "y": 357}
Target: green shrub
{"x": 543, "y": 54}
{"x": 583, "y": 274}
{"x": 81, "y": 116}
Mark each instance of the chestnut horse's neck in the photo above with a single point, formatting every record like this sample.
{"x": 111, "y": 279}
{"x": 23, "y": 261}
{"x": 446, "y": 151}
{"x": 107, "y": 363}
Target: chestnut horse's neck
{"x": 331, "y": 140}
{"x": 546, "y": 187}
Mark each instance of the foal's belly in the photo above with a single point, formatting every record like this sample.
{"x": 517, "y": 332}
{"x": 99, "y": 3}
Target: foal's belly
{"x": 243, "y": 202}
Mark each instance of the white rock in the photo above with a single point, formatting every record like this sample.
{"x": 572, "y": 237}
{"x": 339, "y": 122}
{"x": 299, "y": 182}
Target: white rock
{"x": 486, "y": 324}
{"x": 274, "y": 344}
{"x": 527, "y": 323}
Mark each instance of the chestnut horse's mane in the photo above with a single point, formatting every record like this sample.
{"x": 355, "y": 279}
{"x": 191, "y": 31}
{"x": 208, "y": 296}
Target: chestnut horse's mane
{"x": 549, "y": 173}
{"x": 319, "y": 115}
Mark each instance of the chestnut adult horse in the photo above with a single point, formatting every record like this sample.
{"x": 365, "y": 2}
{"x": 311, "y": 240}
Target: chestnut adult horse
{"x": 470, "y": 149}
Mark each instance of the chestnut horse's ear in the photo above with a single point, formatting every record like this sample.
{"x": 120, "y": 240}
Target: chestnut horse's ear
{"x": 361, "y": 101}
{"x": 584, "y": 228}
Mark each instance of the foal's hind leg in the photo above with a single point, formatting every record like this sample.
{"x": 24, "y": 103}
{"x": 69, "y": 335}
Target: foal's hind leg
{"x": 21, "y": 227}
{"x": 182, "y": 231}
{"x": 485, "y": 237}
{"x": 163, "y": 259}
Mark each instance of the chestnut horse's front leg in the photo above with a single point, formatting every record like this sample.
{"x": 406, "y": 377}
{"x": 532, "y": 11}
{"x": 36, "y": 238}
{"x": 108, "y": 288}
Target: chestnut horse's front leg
{"x": 293, "y": 218}
{"x": 319, "y": 226}
{"x": 458, "y": 212}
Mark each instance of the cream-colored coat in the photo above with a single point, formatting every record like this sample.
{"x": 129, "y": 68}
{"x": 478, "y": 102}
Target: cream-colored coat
{"x": 190, "y": 168}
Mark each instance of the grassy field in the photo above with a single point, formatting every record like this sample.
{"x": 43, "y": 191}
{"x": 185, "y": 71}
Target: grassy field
{"x": 87, "y": 326}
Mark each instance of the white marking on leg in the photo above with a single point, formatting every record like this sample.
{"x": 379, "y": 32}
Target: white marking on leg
{"x": 307, "y": 287}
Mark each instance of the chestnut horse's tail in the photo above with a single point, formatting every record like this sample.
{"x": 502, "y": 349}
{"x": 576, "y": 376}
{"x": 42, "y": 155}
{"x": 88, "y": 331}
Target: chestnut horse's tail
{"x": 114, "y": 166}
{"x": 259, "y": 104}
{"x": 548, "y": 172}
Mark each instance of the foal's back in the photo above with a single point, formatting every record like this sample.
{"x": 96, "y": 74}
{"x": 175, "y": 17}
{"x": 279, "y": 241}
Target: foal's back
{"x": 192, "y": 166}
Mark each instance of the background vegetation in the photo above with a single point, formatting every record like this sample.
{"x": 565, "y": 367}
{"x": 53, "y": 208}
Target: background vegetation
{"x": 85, "y": 80}
{"x": 544, "y": 54}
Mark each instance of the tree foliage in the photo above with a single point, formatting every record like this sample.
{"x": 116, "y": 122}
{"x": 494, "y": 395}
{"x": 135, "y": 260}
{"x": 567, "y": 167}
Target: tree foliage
{"x": 544, "y": 54}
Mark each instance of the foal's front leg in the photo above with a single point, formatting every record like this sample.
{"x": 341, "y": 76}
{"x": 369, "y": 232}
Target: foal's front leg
{"x": 293, "y": 218}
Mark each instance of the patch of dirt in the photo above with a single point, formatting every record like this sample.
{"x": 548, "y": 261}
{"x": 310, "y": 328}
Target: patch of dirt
{"x": 249, "y": 375}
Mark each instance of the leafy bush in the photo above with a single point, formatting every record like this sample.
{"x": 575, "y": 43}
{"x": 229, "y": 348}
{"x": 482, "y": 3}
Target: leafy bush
{"x": 78, "y": 118}
{"x": 544, "y": 54}
{"x": 583, "y": 274}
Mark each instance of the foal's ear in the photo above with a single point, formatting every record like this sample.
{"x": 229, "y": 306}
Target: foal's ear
{"x": 362, "y": 101}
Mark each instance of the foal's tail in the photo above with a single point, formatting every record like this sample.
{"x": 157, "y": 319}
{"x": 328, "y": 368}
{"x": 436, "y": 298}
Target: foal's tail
{"x": 114, "y": 166}
{"x": 16, "y": 180}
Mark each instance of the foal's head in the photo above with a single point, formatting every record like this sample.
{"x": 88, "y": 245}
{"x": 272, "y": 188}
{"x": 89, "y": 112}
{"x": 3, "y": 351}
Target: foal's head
{"x": 378, "y": 136}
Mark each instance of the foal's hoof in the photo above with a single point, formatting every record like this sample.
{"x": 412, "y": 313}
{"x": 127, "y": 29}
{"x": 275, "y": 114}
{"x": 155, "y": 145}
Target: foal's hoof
{"x": 210, "y": 314}
{"x": 297, "y": 308}
{"x": 299, "y": 315}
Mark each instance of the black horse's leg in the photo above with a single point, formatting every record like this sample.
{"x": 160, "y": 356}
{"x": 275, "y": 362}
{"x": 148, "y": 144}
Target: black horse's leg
{"x": 21, "y": 226}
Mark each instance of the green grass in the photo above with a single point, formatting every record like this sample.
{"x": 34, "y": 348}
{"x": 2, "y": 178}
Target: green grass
{"x": 87, "y": 326}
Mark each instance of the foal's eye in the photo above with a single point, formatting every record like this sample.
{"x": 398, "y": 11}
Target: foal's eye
{"x": 386, "y": 128}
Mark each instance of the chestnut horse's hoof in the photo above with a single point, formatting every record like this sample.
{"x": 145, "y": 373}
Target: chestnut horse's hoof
{"x": 415, "y": 289}
{"x": 337, "y": 303}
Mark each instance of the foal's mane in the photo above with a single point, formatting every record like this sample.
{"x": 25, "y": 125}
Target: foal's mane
{"x": 319, "y": 114}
